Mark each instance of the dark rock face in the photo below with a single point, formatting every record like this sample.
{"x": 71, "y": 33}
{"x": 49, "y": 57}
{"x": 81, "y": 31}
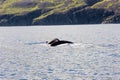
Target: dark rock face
{"x": 59, "y": 18}
{"x": 25, "y": 19}
{"x": 92, "y": 16}
{"x": 20, "y": 20}
{"x": 113, "y": 19}
{"x": 85, "y": 16}
{"x": 91, "y": 2}
{"x": 4, "y": 19}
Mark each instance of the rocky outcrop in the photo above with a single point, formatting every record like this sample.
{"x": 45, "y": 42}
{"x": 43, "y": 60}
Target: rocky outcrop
{"x": 91, "y": 2}
{"x": 20, "y": 20}
{"x": 112, "y": 19}
{"x": 84, "y": 16}
{"x": 4, "y": 19}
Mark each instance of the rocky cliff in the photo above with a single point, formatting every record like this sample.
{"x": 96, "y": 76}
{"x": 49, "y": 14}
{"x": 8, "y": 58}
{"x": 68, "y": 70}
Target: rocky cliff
{"x": 58, "y": 12}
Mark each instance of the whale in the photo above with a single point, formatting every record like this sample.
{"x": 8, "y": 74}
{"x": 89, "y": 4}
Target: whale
{"x": 56, "y": 42}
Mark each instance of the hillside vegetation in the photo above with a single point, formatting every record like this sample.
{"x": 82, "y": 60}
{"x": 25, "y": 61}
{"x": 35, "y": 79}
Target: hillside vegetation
{"x": 55, "y": 12}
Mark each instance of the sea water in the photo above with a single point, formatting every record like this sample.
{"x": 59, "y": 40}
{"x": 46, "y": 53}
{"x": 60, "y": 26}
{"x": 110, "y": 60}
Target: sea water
{"x": 95, "y": 54}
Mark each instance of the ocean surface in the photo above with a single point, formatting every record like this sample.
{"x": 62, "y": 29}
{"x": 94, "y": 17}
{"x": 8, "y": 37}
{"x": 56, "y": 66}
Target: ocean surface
{"x": 95, "y": 54}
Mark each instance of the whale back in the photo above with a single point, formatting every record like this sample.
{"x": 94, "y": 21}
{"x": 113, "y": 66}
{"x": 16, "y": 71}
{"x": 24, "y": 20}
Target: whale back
{"x": 60, "y": 42}
{"x": 54, "y": 40}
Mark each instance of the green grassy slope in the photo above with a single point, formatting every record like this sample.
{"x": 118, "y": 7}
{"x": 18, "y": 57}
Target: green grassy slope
{"x": 22, "y": 6}
{"x": 113, "y": 5}
{"x": 110, "y": 5}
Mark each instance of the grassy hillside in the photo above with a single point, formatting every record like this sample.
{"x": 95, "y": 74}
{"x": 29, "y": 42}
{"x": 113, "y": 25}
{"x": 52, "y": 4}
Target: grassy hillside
{"x": 113, "y": 5}
{"x": 110, "y": 5}
{"x": 21, "y": 6}
{"x": 13, "y": 12}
